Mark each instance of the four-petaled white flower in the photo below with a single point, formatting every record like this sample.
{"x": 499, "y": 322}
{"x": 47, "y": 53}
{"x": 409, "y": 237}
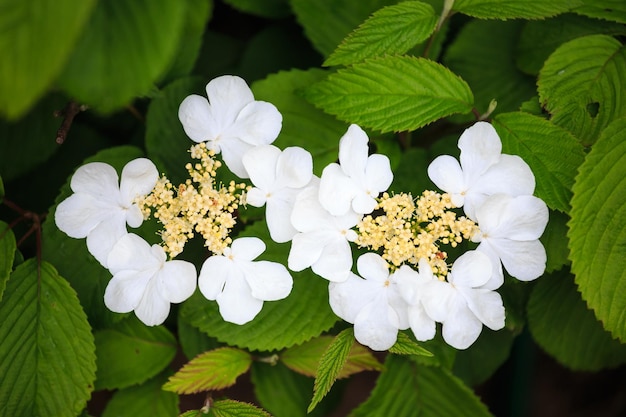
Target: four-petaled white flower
{"x": 230, "y": 121}
{"x": 372, "y": 303}
{"x": 510, "y": 228}
{"x": 323, "y": 240}
{"x": 411, "y": 284}
{"x": 483, "y": 170}
{"x": 460, "y": 304}
{"x": 239, "y": 284}
{"x": 358, "y": 178}
{"x": 101, "y": 207}
{"x": 144, "y": 281}
{"x": 278, "y": 177}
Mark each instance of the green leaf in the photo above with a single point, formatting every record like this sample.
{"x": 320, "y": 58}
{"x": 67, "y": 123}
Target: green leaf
{"x": 305, "y": 358}
{"x": 303, "y": 124}
{"x": 339, "y": 18}
{"x": 231, "y": 408}
{"x": 1, "y": 189}
{"x": 210, "y": 371}
{"x": 581, "y": 343}
{"x": 8, "y": 247}
{"x": 613, "y": 10}
{"x": 145, "y": 400}
{"x": 405, "y": 346}
{"x": 555, "y": 240}
{"x": 513, "y": 9}
{"x": 393, "y": 93}
{"x": 47, "y": 359}
{"x": 192, "y": 341}
{"x": 392, "y": 30}
{"x": 481, "y": 41}
{"x": 273, "y": 9}
{"x": 128, "y": 46}
{"x": 74, "y": 262}
{"x": 552, "y": 153}
{"x": 304, "y": 314}
{"x": 35, "y": 46}
{"x": 406, "y": 389}
{"x": 597, "y": 234}
{"x": 131, "y": 353}
{"x": 331, "y": 364}
{"x": 581, "y": 85}
{"x": 539, "y": 38}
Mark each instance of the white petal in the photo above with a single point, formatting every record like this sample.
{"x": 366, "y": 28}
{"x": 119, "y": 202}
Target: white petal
{"x": 408, "y": 281}
{"x": 497, "y": 275}
{"x": 258, "y": 123}
{"x": 522, "y": 260}
{"x": 445, "y": 172}
{"x": 233, "y": 149}
{"x": 139, "y": 177}
{"x": 487, "y": 306}
{"x": 178, "y": 280}
{"x": 480, "y": 148}
{"x": 268, "y": 281}
{"x": 79, "y": 214}
{"x": 353, "y": 151}
{"x": 308, "y": 215}
{"x": 376, "y": 326}
{"x": 335, "y": 261}
{"x": 128, "y": 252}
{"x": 364, "y": 203}
{"x": 260, "y": 163}
{"x": 103, "y": 238}
{"x": 295, "y": 167}
{"x": 278, "y": 216}
{"x": 214, "y": 273}
{"x": 422, "y": 326}
{"x": 306, "y": 249}
{"x": 336, "y": 190}
{"x": 510, "y": 175}
{"x": 373, "y": 267}
{"x": 134, "y": 216}
{"x": 247, "y": 248}
{"x": 195, "y": 115}
{"x": 517, "y": 218}
{"x": 378, "y": 174}
{"x": 125, "y": 290}
{"x": 349, "y": 297}
{"x": 256, "y": 197}
{"x": 152, "y": 310}
{"x": 462, "y": 327}
{"x": 470, "y": 270}
{"x": 97, "y": 179}
{"x": 437, "y": 299}
{"x": 236, "y": 303}
{"x": 228, "y": 95}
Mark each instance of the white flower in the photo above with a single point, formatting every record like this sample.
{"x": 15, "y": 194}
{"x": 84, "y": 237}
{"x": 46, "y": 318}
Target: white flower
{"x": 239, "y": 284}
{"x": 278, "y": 177}
{"x": 483, "y": 170}
{"x": 411, "y": 286}
{"x": 144, "y": 281}
{"x": 358, "y": 179}
{"x": 230, "y": 121}
{"x": 100, "y": 208}
{"x": 323, "y": 240}
{"x": 372, "y": 303}
{"x": 460, "y": 304}
{"x": 510, "y": 228}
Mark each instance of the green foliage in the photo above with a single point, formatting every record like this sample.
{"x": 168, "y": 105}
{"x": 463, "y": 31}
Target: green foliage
{"x": 612, "y": 10}
{"x": 47, "y": 357}
{"x": 7, "y": 254}
{"x": 581, "y": 85}
{"x": 555, "y": 241}
{"x": 405, "y": 346}
{"x": 230, "y": 408}
{"x": 213, "y": 370}
{"x": 366, "y": 93}
{"x": 265, "y": 8}
{"x": 596, "y": 235}
{"x": 391, "y": 30}
{"x": 145, "y": 400}
{"x": 130, "y": 353}
{"x": 513, "y": 9}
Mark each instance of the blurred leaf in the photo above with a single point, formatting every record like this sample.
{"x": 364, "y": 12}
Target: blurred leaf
{"x": 539, "y": 38}
{"x": 555, "y": 240}
{"x": 513, "y": 9}
{"x": 405, "y": 346}
{"x": 581, "y": 343}
{"x": 613, "y": 10}
{"x": 481, "y": 41}
{"x": 552, "y": 153}
{"x": 410, "y": 176}
{"x": 145, "y": 400}
{"x": 210, "y": 371}
{"x": 231, "y": 408}
{"x": 47, "y": 359}
{"x": 305, "y": 358}
{"x": 192, "y": 341}
{"x": 596, "y": 231}
{"x": 36, "y": 39}
{"x": 330, "y": 365}
{"x": 393, "y": 93}
{"x": 7, "y": 255}
{"x": 1, "y": 189}
{"x": 339, "y": 19}
{"x": 88, "y": 278}
{"x": 582, "y": 86}
{"x": 128, "y": 46}
{"x": 130, "y": 353}
{"x": 392, "y": 30}
{"x": 273, "y": 9}
{"x": 406, "y": 389}
{"x": 304, "y": 314}
{"x": 482, "y": 359}
{"x": 303, "y": 124}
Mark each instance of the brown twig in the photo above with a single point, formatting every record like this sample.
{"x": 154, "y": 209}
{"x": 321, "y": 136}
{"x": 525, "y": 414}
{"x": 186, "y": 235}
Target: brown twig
{"x": 69, "y": 112}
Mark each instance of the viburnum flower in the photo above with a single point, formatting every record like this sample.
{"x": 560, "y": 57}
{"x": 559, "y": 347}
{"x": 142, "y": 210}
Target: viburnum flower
{"x": 230, "y": 121}
{"x": 483, "y": 170}
{"x": 510, "y": 228}
{"x": 239, "y": 284}
{"x": 101, "y": 207}
{"x": 277, "y": 177}
{"x": 358, "y": 178}
{"x": 144, "y": 281}
{"x": 372, "y": 303}
{"x": 461, "y": 304}
{"x": 323, "y": 240}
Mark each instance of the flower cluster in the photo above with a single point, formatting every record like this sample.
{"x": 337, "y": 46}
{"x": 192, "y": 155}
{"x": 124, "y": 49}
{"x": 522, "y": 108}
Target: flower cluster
{"x": 487, "y": 215}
